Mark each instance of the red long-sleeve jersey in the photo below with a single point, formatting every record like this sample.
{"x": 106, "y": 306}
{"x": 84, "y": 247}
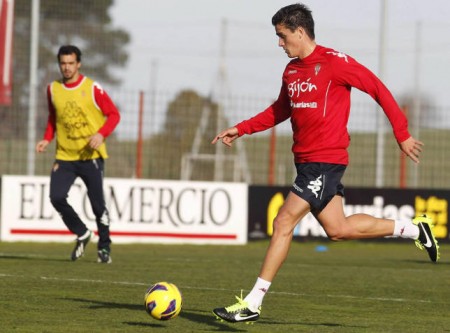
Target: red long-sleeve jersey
{"x": 315, "y": 94}
{"x": 102, "y": 100}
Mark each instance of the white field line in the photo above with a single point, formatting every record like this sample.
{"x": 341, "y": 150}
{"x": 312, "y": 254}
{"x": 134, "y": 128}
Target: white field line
{"x": 281, "y": 293}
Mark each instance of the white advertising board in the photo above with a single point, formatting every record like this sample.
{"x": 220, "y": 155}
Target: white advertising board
{"x": 141, "y": 211}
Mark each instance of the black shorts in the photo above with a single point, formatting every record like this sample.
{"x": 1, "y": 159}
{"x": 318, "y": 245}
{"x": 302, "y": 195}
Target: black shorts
{"x": 318, "y": 183}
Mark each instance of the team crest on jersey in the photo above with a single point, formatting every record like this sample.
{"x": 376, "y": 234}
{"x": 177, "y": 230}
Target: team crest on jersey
{"x": 317, "y": 69}
{"x": 74, "y": 120}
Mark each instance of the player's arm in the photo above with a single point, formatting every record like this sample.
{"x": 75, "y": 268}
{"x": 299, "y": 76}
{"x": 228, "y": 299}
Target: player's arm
{"x": 227, "y": 136}
{"x": 111, "y": 113}
{"x": 412, "y": 148}
{"x": 273, "y": 115}
{"x": 356, "y": 75}
{"x": 276, "y": 113}
{"x": 51, "y": 125}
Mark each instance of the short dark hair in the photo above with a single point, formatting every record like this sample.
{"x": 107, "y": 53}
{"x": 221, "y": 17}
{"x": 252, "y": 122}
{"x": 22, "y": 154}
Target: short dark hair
{"x": 69, "y": 49}
{"x": 295, "y": 16}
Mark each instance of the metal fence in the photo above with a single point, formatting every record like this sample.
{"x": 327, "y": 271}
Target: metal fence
{"x": 167, "y": 136}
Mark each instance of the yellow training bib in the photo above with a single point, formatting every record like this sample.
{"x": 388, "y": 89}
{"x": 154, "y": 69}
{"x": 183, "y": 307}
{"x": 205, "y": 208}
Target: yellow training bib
{"x": 78, "y": 117}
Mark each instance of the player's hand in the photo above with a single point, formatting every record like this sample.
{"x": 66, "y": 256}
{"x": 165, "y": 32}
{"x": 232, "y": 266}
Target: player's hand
{"x": 412, "y": 148}
{"x": 41, "y": 146}
{"x": 96, "y": 141}
{"x": 227, "y": 136}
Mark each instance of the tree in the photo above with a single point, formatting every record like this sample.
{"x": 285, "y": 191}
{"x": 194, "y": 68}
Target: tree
{"x": 84, "y": 23}
{"x": 167, "y": 148}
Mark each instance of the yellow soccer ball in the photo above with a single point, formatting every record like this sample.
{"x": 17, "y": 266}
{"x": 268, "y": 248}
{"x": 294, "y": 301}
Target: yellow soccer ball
{"x": 163, "y": 301}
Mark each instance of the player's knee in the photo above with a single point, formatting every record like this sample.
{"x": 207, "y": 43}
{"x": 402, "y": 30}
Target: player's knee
{"x": 336, "y": 237}
{"x": 281, "y": 227}
{"x": 58, "y": 200}
{"x": 337, "y": 234}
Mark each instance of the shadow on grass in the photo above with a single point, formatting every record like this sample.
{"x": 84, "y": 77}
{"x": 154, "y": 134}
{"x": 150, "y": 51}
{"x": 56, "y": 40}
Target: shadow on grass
{"x": 201, "y": 317}
{"x": 428, "y": 262}
{"x": 143, "y": 324}
{"x": 204, "y": 317}
{"x": 37, "y": 257}
{"x": 95, "y": 304}
{"x": 270, "y": 322}
{"x": 31, "y": 257}
{"x": 198, "y": 316}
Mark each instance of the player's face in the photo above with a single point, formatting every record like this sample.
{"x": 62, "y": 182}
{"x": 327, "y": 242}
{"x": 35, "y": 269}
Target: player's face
{"x": 69, "y": 66}
{"x": 289, "y": 40}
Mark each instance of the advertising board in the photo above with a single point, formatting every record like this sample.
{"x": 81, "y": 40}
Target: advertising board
{"x": 159, "y": 211}
{"x": 265, "y": 201}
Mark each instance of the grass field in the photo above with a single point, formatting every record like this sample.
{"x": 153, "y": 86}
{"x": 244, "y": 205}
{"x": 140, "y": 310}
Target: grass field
{"x": 352, "y": 287}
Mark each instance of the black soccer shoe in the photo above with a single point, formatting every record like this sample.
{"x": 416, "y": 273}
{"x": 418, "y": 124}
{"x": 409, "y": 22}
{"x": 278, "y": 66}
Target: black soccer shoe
{"x": 104, "y": 257}
{"x": 239, "y": 312}
{"x": 80, "y": 246}
{"x": 426, "y": 238}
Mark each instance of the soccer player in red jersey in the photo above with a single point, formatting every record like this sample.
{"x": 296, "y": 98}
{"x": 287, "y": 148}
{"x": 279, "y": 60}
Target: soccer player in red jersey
{"x": 315, "y": 95}
{"x": 82, "y": 115}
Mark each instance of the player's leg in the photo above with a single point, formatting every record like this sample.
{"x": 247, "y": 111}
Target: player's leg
{"x": 359, "y": 226}
{"x": 249, "y": 308}
{"x": 61, "y": 179}
{"x": 92, "y": 175}
{"x": 291, "y": 212}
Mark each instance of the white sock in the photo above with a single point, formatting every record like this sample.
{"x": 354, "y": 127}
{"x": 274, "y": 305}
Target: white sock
{"x": 405, "y": 229}
{"x": 256, "y": 295}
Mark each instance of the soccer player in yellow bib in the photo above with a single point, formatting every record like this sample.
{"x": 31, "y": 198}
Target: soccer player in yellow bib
{"x": 81, "y": 115}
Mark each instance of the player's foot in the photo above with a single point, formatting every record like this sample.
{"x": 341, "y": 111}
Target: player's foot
{"x": 426, "y": 238}
{"x": 80, "y": 246}
{"x": 239, "y": 312}
{"x": 104, "y": 257}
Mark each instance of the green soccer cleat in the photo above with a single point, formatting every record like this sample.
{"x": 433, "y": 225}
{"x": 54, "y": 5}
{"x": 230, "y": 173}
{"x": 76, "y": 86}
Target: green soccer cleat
{"x": 239, "y": 312}
{"x": 426, "y": 238}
